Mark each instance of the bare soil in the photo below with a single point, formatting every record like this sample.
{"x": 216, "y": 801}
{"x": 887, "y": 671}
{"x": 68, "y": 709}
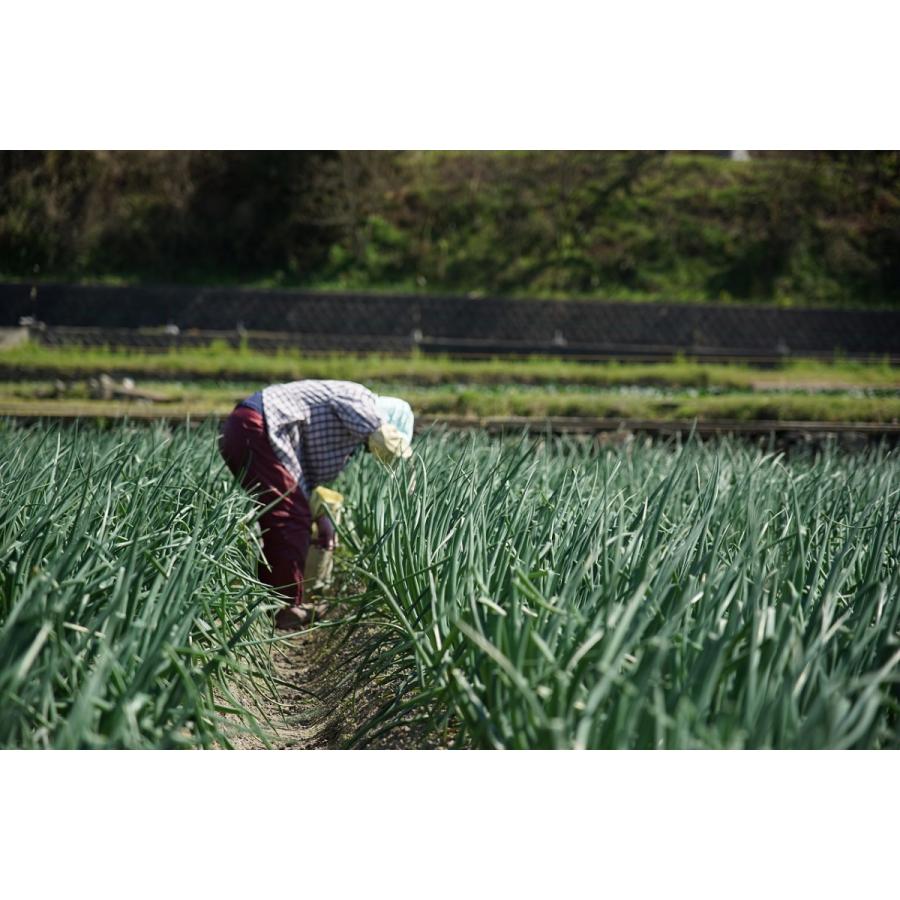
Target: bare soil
{"x": 322, "y": 700}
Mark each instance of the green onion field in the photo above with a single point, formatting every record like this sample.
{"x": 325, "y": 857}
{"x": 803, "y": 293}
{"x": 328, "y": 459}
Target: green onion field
{"x": 513, "y": 593}
{"x": 698, "y": 596}
{"x": 126, "y": 600}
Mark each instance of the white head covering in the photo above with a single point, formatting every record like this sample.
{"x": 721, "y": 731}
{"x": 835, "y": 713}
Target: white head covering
{"x": 398, "y": 413}
{"x": 392, "y": 440}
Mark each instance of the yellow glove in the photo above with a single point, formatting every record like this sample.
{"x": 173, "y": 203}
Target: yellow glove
{"x": 325, "y": 500}
{"x": 388, "y": 444}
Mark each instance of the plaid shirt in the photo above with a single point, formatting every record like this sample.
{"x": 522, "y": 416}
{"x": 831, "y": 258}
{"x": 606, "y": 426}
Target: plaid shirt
{"x": 314, "y": 426}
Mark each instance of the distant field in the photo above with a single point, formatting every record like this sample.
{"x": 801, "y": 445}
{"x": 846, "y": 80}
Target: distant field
{"x": 201, "y": 400}
{"x": 209, "y": 381}
{"x": 222, "y": 362}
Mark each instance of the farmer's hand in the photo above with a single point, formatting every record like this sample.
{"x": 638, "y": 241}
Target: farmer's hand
{"x": 327, "y": 540}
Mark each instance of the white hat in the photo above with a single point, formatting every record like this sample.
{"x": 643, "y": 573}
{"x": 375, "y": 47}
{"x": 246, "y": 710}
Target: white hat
{"x": 392, "y": 440}
{"x": 398, "y": 413}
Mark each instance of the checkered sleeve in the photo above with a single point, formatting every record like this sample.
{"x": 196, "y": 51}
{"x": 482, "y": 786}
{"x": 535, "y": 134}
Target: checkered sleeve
{"x": 314, "y": 426}
{"x": 357, "y": 413}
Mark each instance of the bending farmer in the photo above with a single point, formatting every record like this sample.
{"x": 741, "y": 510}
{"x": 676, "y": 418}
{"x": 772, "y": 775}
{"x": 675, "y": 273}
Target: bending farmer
{"x": 288, "y": 439}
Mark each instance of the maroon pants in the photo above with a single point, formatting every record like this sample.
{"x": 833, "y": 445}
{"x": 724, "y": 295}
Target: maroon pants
{"x": 246, "y": 450}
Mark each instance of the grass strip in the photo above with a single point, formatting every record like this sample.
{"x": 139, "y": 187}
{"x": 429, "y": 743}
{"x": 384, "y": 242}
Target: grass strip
{"x": 199, "y": 401}
{"x": 219, "y": 361}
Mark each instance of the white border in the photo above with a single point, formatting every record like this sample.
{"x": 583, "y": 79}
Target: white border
{"x": 435, "y": 825}
{"x": 472, "y": 74}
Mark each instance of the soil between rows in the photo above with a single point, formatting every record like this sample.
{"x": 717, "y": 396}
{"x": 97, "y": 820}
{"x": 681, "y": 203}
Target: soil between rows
{"x": 322, "y": 700}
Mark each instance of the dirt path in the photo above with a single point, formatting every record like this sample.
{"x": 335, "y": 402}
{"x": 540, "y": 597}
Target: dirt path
{"x": 321, "y": 701}
{"x": 814, "y": 385}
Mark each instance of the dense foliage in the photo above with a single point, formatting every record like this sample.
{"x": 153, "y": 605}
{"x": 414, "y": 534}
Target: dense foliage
{"x": 126, "y": 600}
{"x": 552, "y": 595}
{"x": 799, "y": 228}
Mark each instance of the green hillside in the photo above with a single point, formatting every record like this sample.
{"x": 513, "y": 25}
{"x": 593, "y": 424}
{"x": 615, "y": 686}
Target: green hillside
{"x": 810, "y": 228}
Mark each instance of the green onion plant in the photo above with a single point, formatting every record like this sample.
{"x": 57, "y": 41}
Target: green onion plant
{"x": 554, "y": 594}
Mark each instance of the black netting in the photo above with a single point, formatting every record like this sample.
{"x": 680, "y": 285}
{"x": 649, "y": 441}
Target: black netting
{"x": 271, "y": 319}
